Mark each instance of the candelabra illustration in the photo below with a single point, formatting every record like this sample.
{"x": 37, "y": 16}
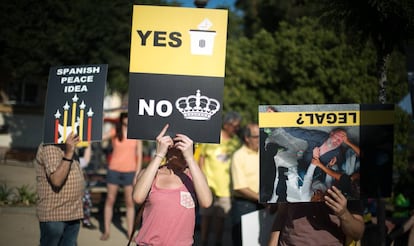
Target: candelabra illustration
{"x": 77, "y": 122}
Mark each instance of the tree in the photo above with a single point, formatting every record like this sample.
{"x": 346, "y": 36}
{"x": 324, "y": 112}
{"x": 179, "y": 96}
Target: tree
{"x": 37, "y": 35}
{"x": 386, "y": 23}
{"x": 267, "y": 14}
{"x": 301, "y": 63}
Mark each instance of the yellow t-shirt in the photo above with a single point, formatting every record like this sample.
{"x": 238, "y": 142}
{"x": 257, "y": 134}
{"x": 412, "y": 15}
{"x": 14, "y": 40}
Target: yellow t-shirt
{"x": 245, "y": 169}
{"x": 217, "y": 159}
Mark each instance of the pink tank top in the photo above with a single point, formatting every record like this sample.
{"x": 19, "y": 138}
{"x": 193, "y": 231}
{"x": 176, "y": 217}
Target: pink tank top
{"x": 169, "y": 216}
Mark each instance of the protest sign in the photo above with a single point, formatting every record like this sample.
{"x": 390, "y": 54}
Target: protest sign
{"x": 177, "y": 67}
{"x": 74, "y": 103}
{"x": 306, "y": 149}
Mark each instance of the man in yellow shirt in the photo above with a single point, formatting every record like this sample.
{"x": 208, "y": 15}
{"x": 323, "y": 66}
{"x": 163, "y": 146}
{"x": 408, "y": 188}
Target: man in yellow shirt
{"x": 245, "y": 177}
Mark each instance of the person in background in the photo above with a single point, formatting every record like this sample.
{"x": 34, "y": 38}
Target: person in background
{"x": 332, "y": 222}
{"x": 214, "y": 161}
{"x": 245, "y": 168}
{"x": 125, "y": 162}
{"x": 60, "y": 186}
{"x": 85, "y": 154}
{"x": 171, "y": 193}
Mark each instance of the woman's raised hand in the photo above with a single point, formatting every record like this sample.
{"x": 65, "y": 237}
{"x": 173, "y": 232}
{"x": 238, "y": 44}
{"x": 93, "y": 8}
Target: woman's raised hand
{"x": 163, "y": 142}
{"x": 185, "y": 145}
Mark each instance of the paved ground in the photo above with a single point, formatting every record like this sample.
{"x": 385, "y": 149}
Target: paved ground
{"x": 19, "y": 225}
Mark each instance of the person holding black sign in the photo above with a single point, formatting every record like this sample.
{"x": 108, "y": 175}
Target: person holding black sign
{"x": 171, "y": 193}
{"x": 60, "y": 186}
{"x": 332, "y": 222}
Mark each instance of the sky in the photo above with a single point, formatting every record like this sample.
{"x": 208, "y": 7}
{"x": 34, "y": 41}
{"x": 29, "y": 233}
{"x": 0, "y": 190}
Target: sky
{"x": 210, "y": 4}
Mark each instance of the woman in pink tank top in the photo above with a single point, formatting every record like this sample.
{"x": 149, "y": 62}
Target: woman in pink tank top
{"x": 171, "y": 192}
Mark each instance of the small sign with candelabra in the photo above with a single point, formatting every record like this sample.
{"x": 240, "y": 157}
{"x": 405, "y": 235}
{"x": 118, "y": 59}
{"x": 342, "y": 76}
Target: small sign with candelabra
{"x": 74, "y": 103}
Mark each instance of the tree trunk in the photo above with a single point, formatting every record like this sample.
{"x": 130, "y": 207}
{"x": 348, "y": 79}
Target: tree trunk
{"x": 382, "y": 59}
{"x": 382, "y": 75}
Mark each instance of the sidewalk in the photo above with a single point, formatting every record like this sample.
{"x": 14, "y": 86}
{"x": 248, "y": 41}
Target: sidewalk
{"x": 19, "y": 225}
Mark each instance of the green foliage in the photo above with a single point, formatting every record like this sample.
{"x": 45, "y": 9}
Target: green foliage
{"x": 268, "y": 14}
{"x": 38, "y": 35}
{"x": 6, "y": 194}
{"x": 301, "y": 63}
{"x": 25, "y": 195}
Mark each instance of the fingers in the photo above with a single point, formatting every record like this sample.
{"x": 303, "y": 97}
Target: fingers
{"x": 336, "y": 200}
{"x": 182, "y": 138}
{"x": 184, "y": 144}
{"x": 316, "y": 152}
{"x": 71, "y": 141}
{"x": 316, "y": 162}
{"x": 72, "y": 138}
{"x": 336, "y": 192}
{"x": 163, "y": 131}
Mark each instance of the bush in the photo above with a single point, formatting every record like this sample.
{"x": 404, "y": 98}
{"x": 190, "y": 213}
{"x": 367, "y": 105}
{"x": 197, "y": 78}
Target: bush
{"x": 22, "y": 195}
{"x": 6, "y": 194}
{"x": 25, "y": 195}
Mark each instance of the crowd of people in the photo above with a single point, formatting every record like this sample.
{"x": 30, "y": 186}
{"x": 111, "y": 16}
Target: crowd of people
{"x": 207, "y": 184}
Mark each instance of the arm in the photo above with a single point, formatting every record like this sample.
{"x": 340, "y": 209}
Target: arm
{"x": 274, "y": 238}
{"x": 86, "y": 158}
{"x": 330, "y": 172}
{"x": 201, "y": 161}
{"x": 146, "y": 176}
{"x": 278, "y": 224}
{"x": 248, "y": 193}
{"x": 204, "y": 196}
{"x": 353, "y": 146}
{"x": 239, "y": 182}
{"x": 352, "y": 225}
{"x": 58, "y": 177}
{"x": 109, "y": 134}
{"x": 88, "y": 153}
{"x": 139, "y": 160}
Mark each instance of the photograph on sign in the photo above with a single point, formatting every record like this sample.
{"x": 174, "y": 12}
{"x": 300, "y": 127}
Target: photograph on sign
{"x": 307, "y": 149}
{"x": 74, "y": 103}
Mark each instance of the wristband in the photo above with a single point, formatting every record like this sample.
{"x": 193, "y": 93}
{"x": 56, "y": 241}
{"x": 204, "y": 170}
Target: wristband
{"x": 160, "y": 156}
{"x": 66, "y": 159}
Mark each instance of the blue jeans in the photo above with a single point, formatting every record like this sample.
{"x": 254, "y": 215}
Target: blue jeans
{"x": 59, "y": 233}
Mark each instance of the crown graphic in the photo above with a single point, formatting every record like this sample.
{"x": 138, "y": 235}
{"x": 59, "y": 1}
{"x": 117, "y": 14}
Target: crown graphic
{"x": 197, "y": 107}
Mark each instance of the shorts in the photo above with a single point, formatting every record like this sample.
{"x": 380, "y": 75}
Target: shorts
{"x": 120, "y": 178}
{"x": 221, "y": 207}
